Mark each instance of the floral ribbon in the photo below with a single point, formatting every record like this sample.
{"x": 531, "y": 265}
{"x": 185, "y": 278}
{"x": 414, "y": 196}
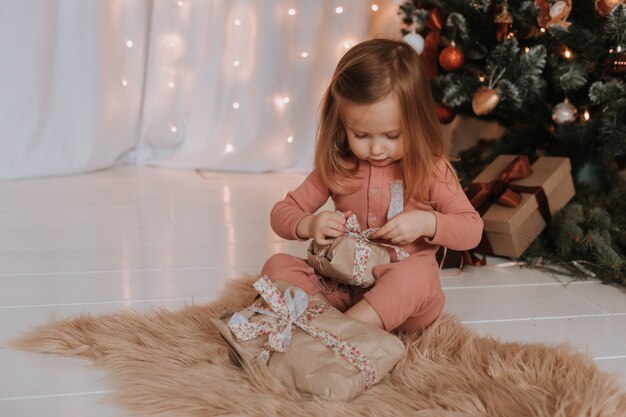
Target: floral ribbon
{"x": 363, "y": 248}
{"x": 363, "y": 243}
{"x": 291, "y": 310}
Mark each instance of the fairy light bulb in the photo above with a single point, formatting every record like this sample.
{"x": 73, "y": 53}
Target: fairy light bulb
{"x": 229, "y": 148}
{"x": 481, "y": 78}
{"x": 290, "y": 139}
{"x": 526, "y": 49}
{"x": 339, "y": 10}
{"x": 374, "y": 7}
{"x": 542, "y": 30}
{"x": 236, "y": 63}
{"x": 304, "y": 54}
{"x": 281, "y": 101}
{"x": 129, "y": 43}
{"x": 291, "y": 12}
{"x": 347, "y": 44}
{"x": 173, "y": 129}
{"x": 235, "y": 105}
{"x": 124, "y": 83}
{"x": 566, "y": 52}
{"x": 180, "y": 3}
{"x": 586, "y": 115}
{"x": 170, "y": 84}
{"x": 237, "y": 22}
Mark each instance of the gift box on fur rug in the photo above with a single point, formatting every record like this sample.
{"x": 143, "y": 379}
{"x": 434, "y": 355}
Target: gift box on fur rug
{"x": 308, "y": 344}
{"x": 176, "y": 363}
{"x": 517, "y": 200}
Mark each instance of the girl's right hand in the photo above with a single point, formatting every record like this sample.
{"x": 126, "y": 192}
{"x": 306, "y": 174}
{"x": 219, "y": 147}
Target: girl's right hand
{"x": 325, "y": 226}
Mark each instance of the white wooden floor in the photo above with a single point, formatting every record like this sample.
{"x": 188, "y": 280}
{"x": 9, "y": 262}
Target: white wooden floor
{"x": 140, "y": 237}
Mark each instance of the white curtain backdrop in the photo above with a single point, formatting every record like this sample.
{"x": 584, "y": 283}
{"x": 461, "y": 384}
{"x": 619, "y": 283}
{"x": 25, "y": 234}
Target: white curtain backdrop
{"x": 210, "y": 84}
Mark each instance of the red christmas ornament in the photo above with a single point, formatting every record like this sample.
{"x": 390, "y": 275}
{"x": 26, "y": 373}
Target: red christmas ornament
{"x": 615, "y": 64}
{"x": 444, "y": 113}
{"x": 452, "y": 58}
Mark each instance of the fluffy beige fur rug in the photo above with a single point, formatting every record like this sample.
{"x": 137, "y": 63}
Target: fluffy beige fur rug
{"x": 174, "y": 363}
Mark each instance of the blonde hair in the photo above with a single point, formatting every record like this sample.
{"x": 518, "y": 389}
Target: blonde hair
{"x": 369, "y": 72}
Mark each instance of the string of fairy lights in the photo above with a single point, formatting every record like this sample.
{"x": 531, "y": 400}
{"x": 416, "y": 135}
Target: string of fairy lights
{"x": 280, "y": 101}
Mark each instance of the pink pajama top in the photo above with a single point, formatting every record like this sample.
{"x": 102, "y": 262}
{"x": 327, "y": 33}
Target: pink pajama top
{"x": 459, "y": 226}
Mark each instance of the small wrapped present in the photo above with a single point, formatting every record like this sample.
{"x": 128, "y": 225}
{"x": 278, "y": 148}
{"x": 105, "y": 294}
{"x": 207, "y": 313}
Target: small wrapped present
{"x": 517, "y": 201}
{"x": 308, "y": 344}
{"x": 351, "y": 258}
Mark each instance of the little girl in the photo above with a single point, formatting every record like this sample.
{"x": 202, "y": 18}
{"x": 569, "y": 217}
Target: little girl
{"x": 378, "y": 125}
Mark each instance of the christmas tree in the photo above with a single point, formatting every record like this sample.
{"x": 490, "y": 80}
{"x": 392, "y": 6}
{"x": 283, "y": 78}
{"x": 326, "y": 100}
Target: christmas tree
{"x": 552, "y": 73}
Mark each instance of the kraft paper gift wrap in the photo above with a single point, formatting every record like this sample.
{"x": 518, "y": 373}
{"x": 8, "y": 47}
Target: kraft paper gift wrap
{"x": 337, "y": 261}
{"x": 510, "y": 230}
{"x": 362, "y": 354}
{"x": 351, "y": 258}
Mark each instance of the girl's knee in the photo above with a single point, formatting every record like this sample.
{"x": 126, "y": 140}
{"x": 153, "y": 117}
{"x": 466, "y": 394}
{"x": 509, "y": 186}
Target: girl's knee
{"x": 278, "y": 263}
{"x": 426, "y": 316}
{"x": 293, "y": 270}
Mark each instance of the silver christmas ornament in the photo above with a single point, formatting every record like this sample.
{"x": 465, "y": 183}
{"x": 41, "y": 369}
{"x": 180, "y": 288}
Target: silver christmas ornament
{"x": 564, "y": 113}
{"x": 415, "y": 40}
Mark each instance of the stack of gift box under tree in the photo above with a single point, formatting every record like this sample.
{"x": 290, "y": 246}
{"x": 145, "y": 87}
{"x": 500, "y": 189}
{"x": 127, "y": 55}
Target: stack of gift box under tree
{"x": 516, "y": 201}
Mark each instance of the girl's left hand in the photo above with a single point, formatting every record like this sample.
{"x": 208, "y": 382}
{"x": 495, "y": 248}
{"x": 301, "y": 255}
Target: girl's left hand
{"x": 408, "y": 226}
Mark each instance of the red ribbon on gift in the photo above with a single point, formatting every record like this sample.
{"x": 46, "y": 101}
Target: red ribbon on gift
{"x": 502, "y": 191}
{"x": 430, "y": 53}
{"x": 484, "y": 195}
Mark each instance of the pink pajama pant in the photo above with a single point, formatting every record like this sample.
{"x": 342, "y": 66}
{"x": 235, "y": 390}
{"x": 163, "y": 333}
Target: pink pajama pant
{"x": 407, "y": 295}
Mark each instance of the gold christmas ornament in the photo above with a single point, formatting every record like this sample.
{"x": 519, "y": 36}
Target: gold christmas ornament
{"x": 485, "y": 100}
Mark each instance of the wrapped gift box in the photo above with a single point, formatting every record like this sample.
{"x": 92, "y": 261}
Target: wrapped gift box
{"x": 309, "y": 365}
{"x": 510, "y": 230}
{"x": 351, "y": 258}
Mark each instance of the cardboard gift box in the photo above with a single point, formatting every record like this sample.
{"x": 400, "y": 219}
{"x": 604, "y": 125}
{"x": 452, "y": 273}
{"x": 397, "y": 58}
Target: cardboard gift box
{"x": 541, "y": 191}
{"x": 327, "y": 354}
{"x": 351, "y": 258}
{"x": 337, "y": 261}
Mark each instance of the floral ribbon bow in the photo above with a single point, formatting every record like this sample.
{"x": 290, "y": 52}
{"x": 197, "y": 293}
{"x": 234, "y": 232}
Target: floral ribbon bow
{"x": 291, "y": 310}
{"x": 363, "y": 248}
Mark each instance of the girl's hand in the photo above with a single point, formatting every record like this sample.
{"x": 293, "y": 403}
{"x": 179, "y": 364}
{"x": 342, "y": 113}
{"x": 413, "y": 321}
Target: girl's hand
{"x": 323, "y": 227}
{"x": 407, "y": 226}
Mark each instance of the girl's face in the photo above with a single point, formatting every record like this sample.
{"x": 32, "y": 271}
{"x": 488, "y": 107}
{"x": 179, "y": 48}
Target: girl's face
{"x": 373, "y": 130}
